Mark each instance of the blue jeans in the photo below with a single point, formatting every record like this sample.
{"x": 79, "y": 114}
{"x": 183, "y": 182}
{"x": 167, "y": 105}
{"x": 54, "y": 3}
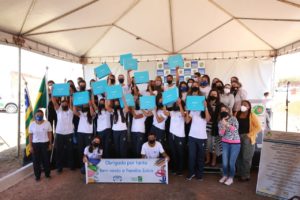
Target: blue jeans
{"x": 137, "y": 139}
{"x": 105, "y": 137}
{"x": 196, "y": 156}
{"x": 229, "y": 156}
{"x": 120, "y": 143}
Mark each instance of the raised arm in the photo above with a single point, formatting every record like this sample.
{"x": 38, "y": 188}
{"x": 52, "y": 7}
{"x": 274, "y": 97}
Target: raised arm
{"x": 177, "y": 76}
{"x": 56, "y": 105}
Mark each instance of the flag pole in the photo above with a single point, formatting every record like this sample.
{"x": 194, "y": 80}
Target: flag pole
{"x": 19, "y": 106}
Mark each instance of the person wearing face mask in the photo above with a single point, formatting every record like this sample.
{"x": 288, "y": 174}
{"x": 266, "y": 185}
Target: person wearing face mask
{"x": 197, "y": 77}
{"x": 158, "y": 88}
{"x": 111, "y": 79}
{"x": 249, "y": 127}
{"x": 213, "y": 142}
{"x": 226, "y": 97}
{"x": 93, "y": 153}
{"x": 40, "y": 137}
{"x": 103, "y": 126}
{"x": 183, "y": 90}
{"x": 119, "y": 126}
{"x": 153, "y": 149}
{"x": 126, "y": 88}
{"x": 51, "y": 114}
{"x": 190, "y": 84}
{"x": 85, "y": 130}
{"x": 239, "y": 95}
{"x": 138, "y": 128}
{"x": 229, "y": 131}
{"x": 213, "y": 83}
{"x": 205, "y": 85}
{"x": 160, "y": 115}
{"x": 64, "y": 133}
{"x": 176, "y": 139}
{"x": 82, "y": 85}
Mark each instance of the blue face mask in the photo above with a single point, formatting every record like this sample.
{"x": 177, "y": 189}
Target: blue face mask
{"x": 184, "y": 89}
{"x": 39, "y": 118}
{"x": 204, "y": 83}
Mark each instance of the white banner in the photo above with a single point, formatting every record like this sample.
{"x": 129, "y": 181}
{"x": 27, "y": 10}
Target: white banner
{"x": 127, "y": 171}
{"x": 279, "y": 169}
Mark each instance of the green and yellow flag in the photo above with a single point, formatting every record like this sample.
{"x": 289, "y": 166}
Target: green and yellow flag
{"x": 28, "y": 119}
{"x": 41, "y": 100}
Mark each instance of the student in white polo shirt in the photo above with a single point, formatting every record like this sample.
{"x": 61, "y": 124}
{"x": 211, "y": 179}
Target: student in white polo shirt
{"x": 177, "y": 137}
{"x": 93, "y": 152}
{"x": 64, "y": 133}
{"x": 138, "y": 129}
{"x": 119, "y": 126}
{"x": 85, "y": 127}
{"x": 40, "y": 138}
{"x": 152, "y": 148}
{"x": 196, "y": 141}
{"x": 103, "y": 126}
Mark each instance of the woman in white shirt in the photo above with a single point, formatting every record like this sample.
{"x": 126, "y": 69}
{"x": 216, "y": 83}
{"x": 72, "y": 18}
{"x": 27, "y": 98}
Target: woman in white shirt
{"x": 205, "y": 85}
{"x": 160, "y": 115}
{"x": 103, "y": 126}
{"x": 40, "y": 138}
{"x": 93, "y": 153}
{"x": 226, "y": 97}
{"x": 64, "y": 133}
{"x": 196, "y": 141}
{"x": 85, "y": 126}
{"x": 119, "y": 126}
{"x": 176, "y": 137}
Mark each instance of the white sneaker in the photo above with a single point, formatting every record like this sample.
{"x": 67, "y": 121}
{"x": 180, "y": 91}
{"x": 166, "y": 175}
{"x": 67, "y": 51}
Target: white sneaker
{"x": 229, "y": 181}
{"x": 223, "y": 179}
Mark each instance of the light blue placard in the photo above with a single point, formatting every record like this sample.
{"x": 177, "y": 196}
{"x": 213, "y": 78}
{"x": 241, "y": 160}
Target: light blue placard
{"x": 195, "y": 103}
{"x": 114, "y": 92}
{"x": 102, "y": 70}
{"x": 99, "y": 87}
{"x": 170, "y": 96}
{"x": 124, "y": 57}
{"x": 175, "y": 61}
{"x": 129, "y": 100}
{"x": 130, "y": 64}
{"x": 147, "y": 102}
{"x": 61, "y": 90}
{"x": 141, "y": 77}
{"x": 81, "y": 98}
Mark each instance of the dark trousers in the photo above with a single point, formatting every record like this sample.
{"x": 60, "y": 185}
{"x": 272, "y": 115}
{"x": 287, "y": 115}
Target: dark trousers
{"x": 41, "y": 156}
{"x": 120, "y": 143}
{"x": 64, "y": 146}
{"x": 160, "y": 135}
{"x": 177, "y": 147}
{"x": 196, "y": 156}
{"x": 105, "y": 137}
{"x": 137, "y": 141}
{"x": 84, "y": 139}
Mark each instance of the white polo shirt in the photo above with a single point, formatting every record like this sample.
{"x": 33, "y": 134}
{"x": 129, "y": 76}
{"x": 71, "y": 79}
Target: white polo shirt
{"x": 94, "y": 155}
{"x": 103, "y": 121}
{"x": 152, "y": 152}
{"x": 205, "y": 90}
{"x": 40, "y": 131}
{"x": 198, "y": 126}
{"x": 64, "y": 122}
{"x": 119, "y": 126}
{"x": 177, "y": 124}
{"x": 161, "y": 125}
{"x": 84, "y": 126}
{"x": 138, "y": 125}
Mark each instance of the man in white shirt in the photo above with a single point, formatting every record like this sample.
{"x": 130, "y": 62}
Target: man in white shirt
{"x": 40, "y": 137}
{"x": 64, "y": 133}
{"x": 153, "y": 149}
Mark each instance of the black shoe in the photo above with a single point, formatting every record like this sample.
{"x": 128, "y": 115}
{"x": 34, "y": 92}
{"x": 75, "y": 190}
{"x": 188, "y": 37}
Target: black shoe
{"x": 199, "y": 179}
{"x": 179, "y": 174}
{"x": 59, "y": 170}
{"x": 190, "y": 177}
{"x": 48, "y": 176}
{"x": 37, "y": 178}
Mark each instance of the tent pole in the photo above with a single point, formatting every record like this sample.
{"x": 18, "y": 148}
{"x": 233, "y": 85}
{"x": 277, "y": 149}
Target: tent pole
{"x": 83, "y": 72}
{"x": 19, "y": 103}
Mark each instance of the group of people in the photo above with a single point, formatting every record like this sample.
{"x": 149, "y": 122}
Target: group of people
{"x": 106, "y": 129}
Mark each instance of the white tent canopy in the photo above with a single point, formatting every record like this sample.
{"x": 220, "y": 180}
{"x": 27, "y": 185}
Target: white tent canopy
{"x": 152, "y": 29}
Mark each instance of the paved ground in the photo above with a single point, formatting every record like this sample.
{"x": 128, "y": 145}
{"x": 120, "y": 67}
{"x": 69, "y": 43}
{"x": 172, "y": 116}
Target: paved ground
{"x": 70, "y": 185}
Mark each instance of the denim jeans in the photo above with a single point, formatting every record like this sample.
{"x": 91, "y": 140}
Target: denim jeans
{"x": 137, "y": 141}
{"x": 229, "y": 156}
{"x": 196, "y": 156}
{"x": 106, "y": 139}
{"x": 244, "y": 160}
{"x": 177, "y": 147}
{"x": 120, "y": 143}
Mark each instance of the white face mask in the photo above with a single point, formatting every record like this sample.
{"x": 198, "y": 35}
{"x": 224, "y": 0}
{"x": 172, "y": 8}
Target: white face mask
{"x": 244, "y": 108}
{"x": 190, "y": 84}
{"x": 226, "y": 90}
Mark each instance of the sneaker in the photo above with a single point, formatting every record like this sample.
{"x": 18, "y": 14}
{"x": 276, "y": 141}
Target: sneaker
{"x": 229, "y": 181}
{"x": 223, "y": 179}
{"x": 190, "y": 177}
